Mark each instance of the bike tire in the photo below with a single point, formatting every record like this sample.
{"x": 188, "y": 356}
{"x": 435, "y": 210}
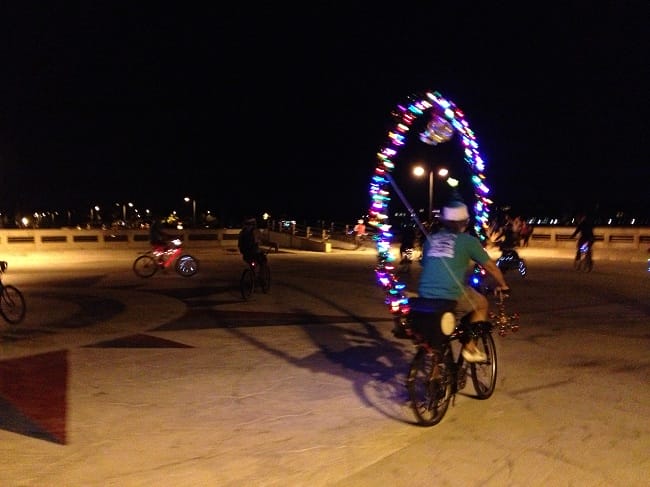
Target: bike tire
{"x": 145, "y": 266}
{"x": 187, "y": 266}
{"x": 584, "y": 264}
{"x": 12, "y": 304}
{"x": 502, "y": 264}
{"x": 523, "y": 268}
{"x": 429, "y": 385}
{"x": 265, "y": 278}
{"x": 484, "y": 374}
{"x": 247, "y": 283}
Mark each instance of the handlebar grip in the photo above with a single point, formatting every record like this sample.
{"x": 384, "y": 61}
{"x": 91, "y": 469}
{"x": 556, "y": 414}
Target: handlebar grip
{"x": 504, "y": 292}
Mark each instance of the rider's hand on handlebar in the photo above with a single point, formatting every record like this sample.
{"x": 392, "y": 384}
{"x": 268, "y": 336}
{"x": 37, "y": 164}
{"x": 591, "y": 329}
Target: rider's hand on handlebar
{"x": 503, "y": 290}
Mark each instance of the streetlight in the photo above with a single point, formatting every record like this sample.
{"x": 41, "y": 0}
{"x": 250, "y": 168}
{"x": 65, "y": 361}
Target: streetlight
{"x": 93, "y": 209}
{"x": 187, "y": 200}
{"x": 419, "y": 171}
{"x": 124, "y": 210}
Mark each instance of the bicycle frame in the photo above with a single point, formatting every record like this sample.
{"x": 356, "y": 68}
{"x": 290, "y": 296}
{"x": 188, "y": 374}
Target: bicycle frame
{"x": 584, "y": 259}
{"x": 167, "y": 256}
{"x": 255, "y": 273}
{"x": 438, "y": 370}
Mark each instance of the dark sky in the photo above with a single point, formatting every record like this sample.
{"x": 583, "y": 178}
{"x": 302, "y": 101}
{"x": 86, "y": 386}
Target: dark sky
{"x": 269, "y": 108}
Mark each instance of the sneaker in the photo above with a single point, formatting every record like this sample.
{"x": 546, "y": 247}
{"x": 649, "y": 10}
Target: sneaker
{"x": 474, "y": 356}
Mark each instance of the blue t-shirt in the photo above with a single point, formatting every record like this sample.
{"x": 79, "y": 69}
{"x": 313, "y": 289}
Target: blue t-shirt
{"x": 445, "y": 260}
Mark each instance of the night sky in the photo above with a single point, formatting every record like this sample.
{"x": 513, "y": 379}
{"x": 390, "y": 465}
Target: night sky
{"x": 267, "y": 108}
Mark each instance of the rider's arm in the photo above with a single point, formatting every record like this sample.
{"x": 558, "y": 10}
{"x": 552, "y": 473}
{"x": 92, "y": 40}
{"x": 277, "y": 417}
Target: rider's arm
{"x": 576, "y": 231}
{"x": 492, "y": 269}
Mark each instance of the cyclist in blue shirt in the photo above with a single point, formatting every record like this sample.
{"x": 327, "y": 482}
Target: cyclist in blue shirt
{"x": 446, "y": 258}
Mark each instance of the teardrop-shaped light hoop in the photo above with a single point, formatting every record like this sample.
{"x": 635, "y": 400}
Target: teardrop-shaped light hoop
{"x": 445, "y": 114}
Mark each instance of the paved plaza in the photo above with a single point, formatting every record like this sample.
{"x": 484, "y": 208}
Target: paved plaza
{"x": 114, "y": 380}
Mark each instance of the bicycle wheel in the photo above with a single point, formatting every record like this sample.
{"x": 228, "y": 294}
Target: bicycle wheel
{"x": 265, "y": 277}
{"x": 484, "y": 374}
{"x": 429, "y": 385}
{"x": 584, "y": 264}
{"x": 12, "y": 304}
{"x": 523, "y": 269}
{"x": 187, "y": 266}
{"x": 247, "y": 283}
{"x": 503, "y": 264}
{"x": 145, "y": 266}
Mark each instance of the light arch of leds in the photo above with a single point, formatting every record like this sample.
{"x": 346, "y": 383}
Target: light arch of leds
{"x": 405, "y": 115}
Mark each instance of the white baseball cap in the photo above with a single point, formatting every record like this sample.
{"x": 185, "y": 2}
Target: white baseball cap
{"x": 455, "y": 212}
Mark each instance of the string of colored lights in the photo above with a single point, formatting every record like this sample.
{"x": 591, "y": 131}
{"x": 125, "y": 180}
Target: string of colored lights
{"x": 405, "y": 116}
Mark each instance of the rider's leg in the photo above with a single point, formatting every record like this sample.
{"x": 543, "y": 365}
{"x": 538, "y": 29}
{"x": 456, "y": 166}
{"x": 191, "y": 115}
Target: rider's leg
{"x": 474, "y": 305}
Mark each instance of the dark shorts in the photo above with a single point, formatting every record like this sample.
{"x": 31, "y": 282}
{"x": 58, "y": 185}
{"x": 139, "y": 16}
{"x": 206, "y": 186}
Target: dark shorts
{"x": 257, "y": 256}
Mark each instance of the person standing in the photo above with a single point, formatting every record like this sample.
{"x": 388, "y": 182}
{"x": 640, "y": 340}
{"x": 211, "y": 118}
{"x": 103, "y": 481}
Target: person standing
{"x": 446, "y": 257}
{"x": 525, "y": 232}
{"x": 359, "y": 231}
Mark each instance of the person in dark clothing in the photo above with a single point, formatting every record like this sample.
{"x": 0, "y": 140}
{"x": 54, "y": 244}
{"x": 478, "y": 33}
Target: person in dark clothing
{"x": 585, "y": 228}
{"x": 158, "y": 238}
{"x": 249, "y": 242}
{"x": 508, "y": 238}
{"x": 408, "y": 241}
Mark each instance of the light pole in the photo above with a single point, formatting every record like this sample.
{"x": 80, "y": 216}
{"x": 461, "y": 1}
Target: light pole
{"x": 124, "y": 210}
{"x": 187, "y": 200}
{"x": 93, "y": 209}
{"x": 419, "y": 171}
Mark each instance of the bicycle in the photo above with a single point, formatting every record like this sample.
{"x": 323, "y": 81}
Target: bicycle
{"x": 12, "y": 302}
{"x": 255, "y": 273}
{"x": 510, "y": 260}
{"x": 438, "y": 370}
{"x": 585, "y": 261}
{"x": 147, "y": 264}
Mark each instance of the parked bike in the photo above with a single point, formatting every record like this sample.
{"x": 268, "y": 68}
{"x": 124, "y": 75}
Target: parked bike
{"x": 438, "y": 370}
{"x": 12, "y": 302}
{"x": 150, "y": 262}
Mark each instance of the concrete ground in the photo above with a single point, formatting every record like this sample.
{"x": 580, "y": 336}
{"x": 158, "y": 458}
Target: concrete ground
{"x": 114, "y": 380}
